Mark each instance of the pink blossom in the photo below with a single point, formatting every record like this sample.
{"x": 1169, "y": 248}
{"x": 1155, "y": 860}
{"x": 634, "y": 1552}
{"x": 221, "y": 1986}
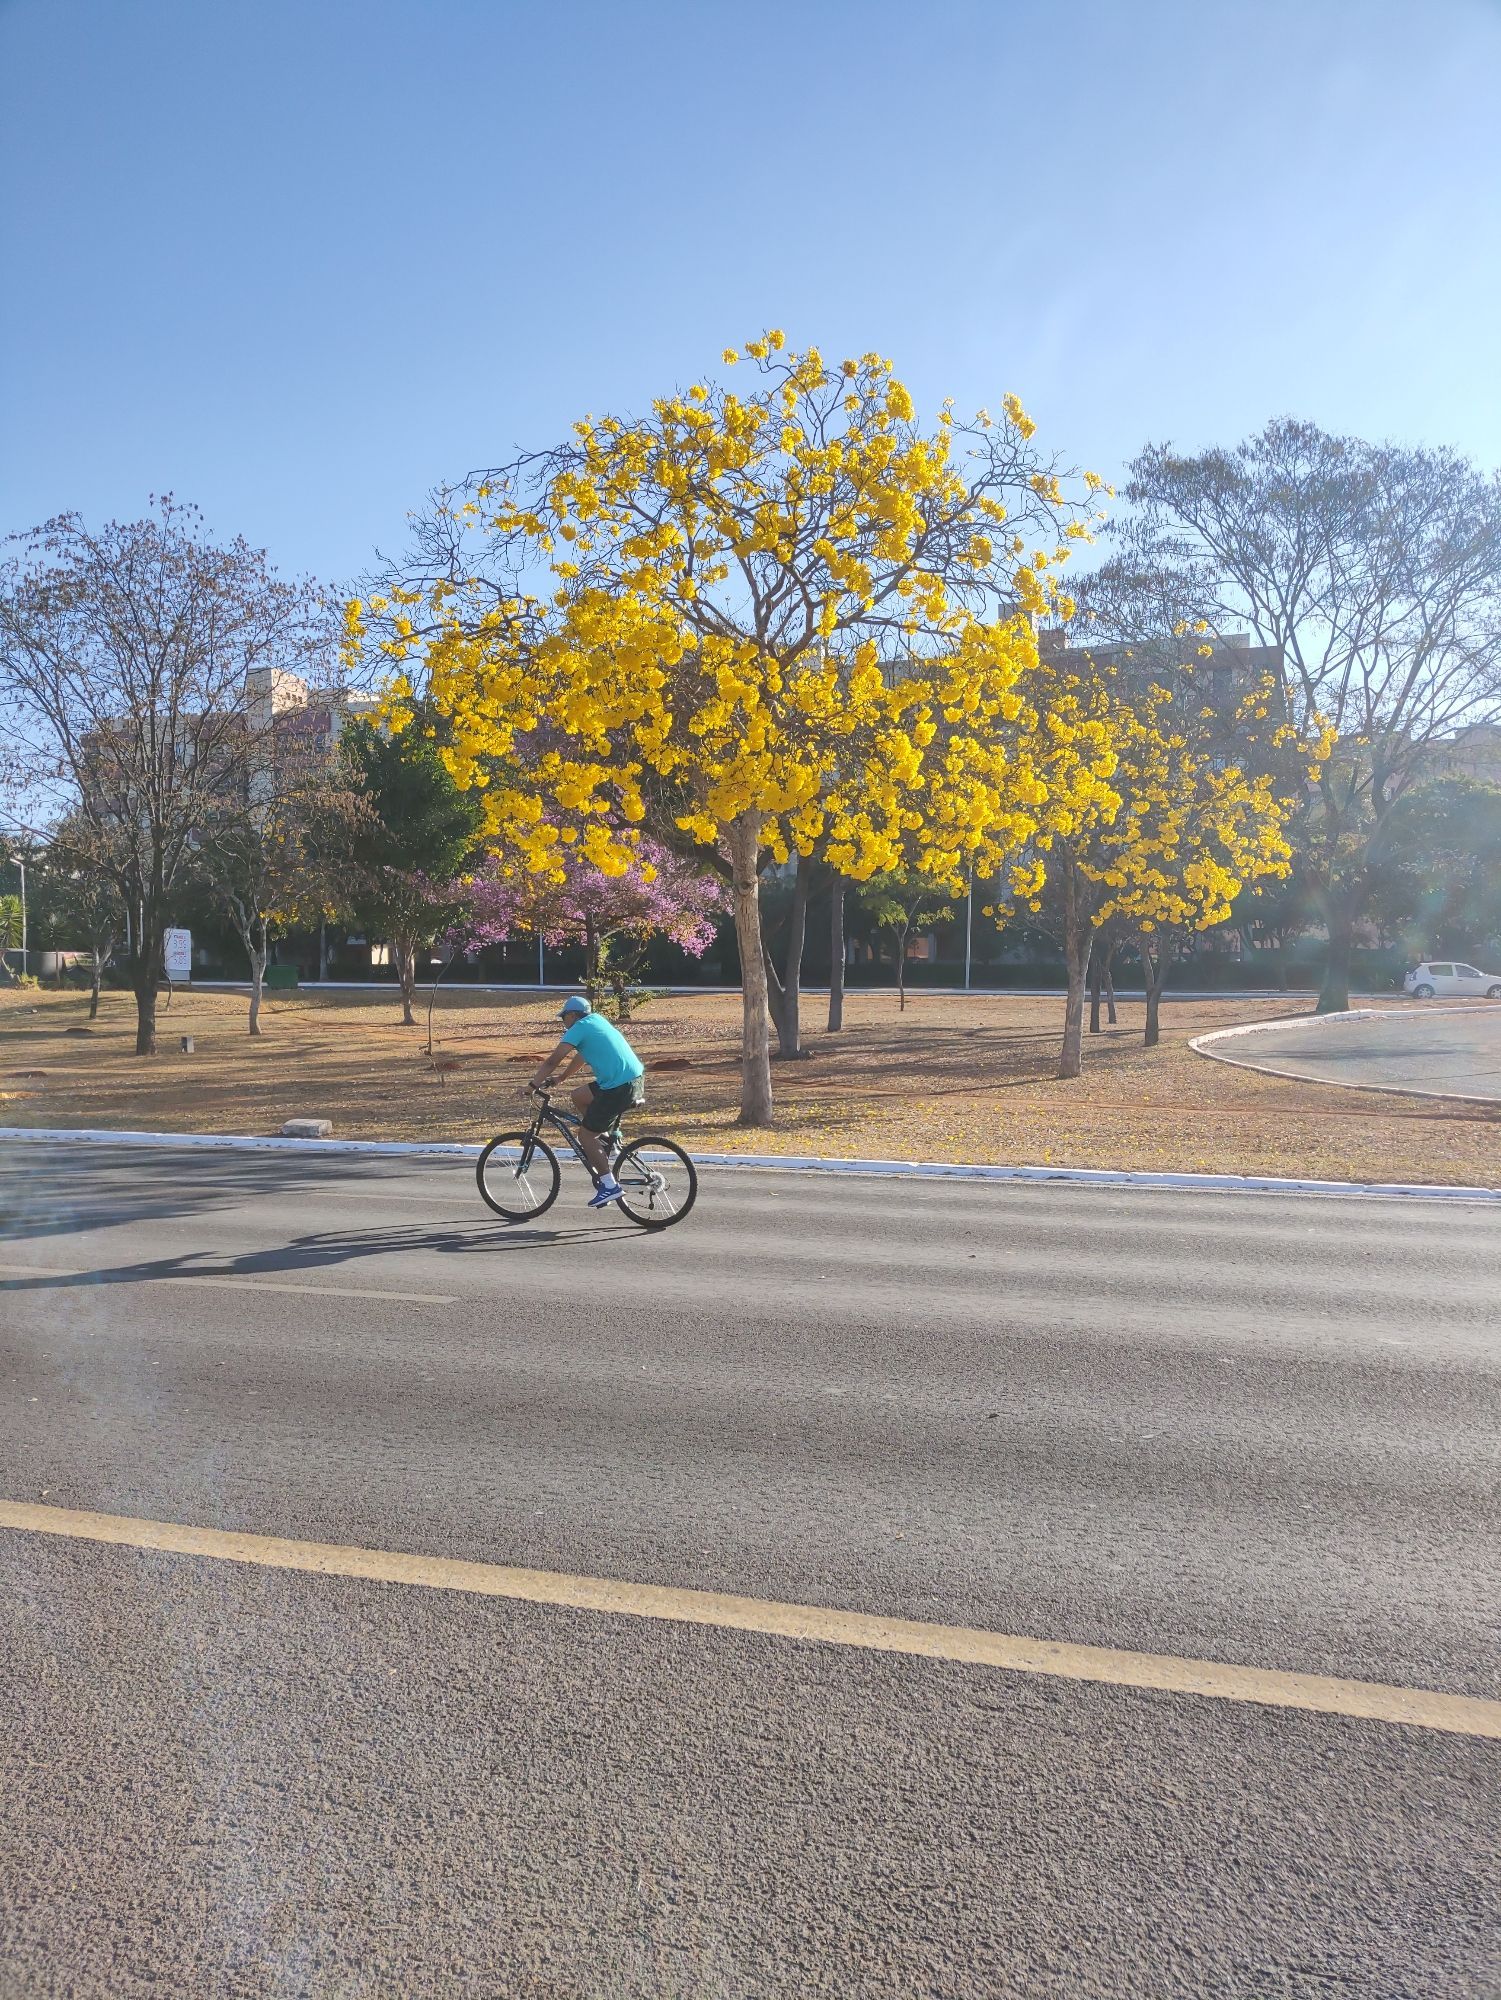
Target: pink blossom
{"x": 678, "y": 902}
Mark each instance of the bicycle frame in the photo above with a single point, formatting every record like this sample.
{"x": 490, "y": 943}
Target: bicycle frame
{"x": 565, "y": 1123}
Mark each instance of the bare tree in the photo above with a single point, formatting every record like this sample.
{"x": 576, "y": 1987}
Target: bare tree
{"x": 259, "y": 864}
{"x": 1377, "y": 571}
{"x": 264, "y": 856}
{"x": 85, "y": 899}
{"x": 123, "y": 659}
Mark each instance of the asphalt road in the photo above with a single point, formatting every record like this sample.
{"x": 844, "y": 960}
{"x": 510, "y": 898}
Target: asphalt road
{"x": 1249, "y": 1429}
{"x": 1433, "y": 1049}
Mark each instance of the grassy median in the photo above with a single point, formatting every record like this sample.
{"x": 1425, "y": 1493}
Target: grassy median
{"x": 953, "y": 1078}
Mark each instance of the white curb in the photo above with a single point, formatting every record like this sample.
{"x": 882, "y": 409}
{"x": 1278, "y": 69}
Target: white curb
{"x": 938, "y": 1170}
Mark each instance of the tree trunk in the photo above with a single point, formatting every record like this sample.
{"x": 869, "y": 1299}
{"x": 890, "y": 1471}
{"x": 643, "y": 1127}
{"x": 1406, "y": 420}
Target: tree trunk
{"x": 1152, "y": 1034}
{"x": 257, "y": 986}
{"x": 836, "y": 953}
{"x": 1154, "y": 969}
{"x": 785, "y": 991}
{"x": 1096, "y": 983}
{"x": 1334, "y": 994}
{"x": 253, "y": 936}
{"x": 1071, "y": 1058}
{"x": 620, "y": 970}
{"x": 406, "y": 974}
{"x": 1110, "y": 1014}
{"x": 774, "y": 994}
{"x": 147, "y": 987}
{"x": 901, "y": 970}
{"x": 1078, "y": 937}
{"x": 593, "y": 971}
{"x": 146, "y": 968}
{"x": 743, "y": 842}
{"x": 101, "y": 954}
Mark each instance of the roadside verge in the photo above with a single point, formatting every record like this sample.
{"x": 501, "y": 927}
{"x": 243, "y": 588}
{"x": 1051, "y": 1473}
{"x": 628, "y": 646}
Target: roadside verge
{"x": 769, "y": 1163}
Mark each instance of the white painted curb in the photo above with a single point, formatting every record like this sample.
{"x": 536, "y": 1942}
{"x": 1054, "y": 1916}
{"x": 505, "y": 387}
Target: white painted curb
{"x": 938, "y": 1170}
{"x": 1201, "y": 1046}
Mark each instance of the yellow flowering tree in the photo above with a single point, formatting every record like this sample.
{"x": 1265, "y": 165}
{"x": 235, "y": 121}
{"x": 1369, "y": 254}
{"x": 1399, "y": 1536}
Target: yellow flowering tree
{"x": 1195, "y": 826}
{"x": 1202, "y": 796}
{"x": 756, "y": 622}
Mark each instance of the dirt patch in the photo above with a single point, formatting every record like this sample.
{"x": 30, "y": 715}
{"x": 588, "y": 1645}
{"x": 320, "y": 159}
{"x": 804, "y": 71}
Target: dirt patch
{"x": 954, "y": 1078}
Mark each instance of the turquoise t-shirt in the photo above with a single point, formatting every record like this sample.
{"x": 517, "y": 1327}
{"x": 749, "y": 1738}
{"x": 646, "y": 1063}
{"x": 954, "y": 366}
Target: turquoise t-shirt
{"x": 605, "y": 1050}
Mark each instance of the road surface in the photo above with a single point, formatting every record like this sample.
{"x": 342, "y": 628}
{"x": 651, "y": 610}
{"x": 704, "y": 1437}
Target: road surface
{"x": 1248, "y": 1430}
{"x": 1448, "y": 1050}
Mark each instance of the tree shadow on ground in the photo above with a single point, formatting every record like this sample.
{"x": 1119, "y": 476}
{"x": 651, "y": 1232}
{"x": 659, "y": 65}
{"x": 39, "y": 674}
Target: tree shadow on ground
{"x": 331, "y": 1250}
{"x": 62, "y": 1190}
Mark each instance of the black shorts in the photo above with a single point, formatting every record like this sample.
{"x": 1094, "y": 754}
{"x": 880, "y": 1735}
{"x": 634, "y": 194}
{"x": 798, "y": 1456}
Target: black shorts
{"x": 608, "y": 1105}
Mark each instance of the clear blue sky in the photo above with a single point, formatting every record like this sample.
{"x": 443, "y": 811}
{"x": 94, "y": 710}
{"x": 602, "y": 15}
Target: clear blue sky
{"x": 296, "y": 260}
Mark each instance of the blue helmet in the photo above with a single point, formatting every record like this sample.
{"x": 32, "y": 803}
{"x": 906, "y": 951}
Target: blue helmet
{"x": 574, "y": 1004}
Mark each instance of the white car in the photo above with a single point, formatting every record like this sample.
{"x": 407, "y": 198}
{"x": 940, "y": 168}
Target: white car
{"x": 1449, "y": 976}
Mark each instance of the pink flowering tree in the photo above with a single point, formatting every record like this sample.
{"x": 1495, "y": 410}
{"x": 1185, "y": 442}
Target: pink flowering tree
{"x": 615, "y": 917}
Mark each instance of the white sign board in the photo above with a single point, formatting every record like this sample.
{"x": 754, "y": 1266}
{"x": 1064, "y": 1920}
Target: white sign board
{"x": 178, "y": 952}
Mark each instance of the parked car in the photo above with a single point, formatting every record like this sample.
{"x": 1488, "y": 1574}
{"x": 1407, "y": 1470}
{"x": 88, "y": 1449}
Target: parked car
{"x": 1450, "y": 977}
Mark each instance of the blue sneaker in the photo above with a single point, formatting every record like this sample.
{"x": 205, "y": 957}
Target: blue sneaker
{"x": 607, "y": 1191}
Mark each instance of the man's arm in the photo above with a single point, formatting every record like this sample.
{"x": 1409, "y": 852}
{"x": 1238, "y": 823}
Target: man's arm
{"x": 550, "y": 1063}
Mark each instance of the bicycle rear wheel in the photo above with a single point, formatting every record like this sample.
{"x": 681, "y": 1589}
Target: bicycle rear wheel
{"x": 658, "y": 1182}
{"x": 519, "y": 1176}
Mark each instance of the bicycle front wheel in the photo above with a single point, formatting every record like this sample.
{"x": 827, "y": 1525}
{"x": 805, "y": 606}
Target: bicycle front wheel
{"x": 519, "y": 1176}
{"x": 658, "y": 1182}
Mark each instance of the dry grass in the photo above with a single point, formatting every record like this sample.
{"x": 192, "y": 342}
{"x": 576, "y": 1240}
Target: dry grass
{"x": 952, "y": 1079}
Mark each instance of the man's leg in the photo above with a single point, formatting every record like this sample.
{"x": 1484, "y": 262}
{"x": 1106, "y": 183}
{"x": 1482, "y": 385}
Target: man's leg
{"x": 590, "y": 1142}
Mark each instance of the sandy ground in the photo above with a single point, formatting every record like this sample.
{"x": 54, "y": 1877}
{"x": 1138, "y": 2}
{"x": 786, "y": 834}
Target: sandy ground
{"x": 953, "y": 1078}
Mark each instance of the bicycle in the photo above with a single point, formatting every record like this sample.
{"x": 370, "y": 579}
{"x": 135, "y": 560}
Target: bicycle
{"x": 519, "y": 1174}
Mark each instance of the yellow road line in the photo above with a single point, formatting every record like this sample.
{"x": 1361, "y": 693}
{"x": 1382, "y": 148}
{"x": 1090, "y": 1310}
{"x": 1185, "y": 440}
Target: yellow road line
{"x": 226, "y": 1284}
{"x": 1463, "y": 1715}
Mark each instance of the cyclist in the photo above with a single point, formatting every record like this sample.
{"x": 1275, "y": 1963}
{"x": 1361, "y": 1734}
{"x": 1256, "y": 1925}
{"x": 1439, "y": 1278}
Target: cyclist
{"x": 589, "y": 1038}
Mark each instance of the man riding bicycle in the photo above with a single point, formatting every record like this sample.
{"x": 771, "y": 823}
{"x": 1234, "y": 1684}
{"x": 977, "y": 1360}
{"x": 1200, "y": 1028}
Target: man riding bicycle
{"x": 589, "y": 1038}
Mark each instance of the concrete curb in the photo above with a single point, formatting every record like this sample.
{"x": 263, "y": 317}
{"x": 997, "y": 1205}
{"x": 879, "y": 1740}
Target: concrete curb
{"x": 1200, "y": 1044}
{"x": 945, "y": 1170}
